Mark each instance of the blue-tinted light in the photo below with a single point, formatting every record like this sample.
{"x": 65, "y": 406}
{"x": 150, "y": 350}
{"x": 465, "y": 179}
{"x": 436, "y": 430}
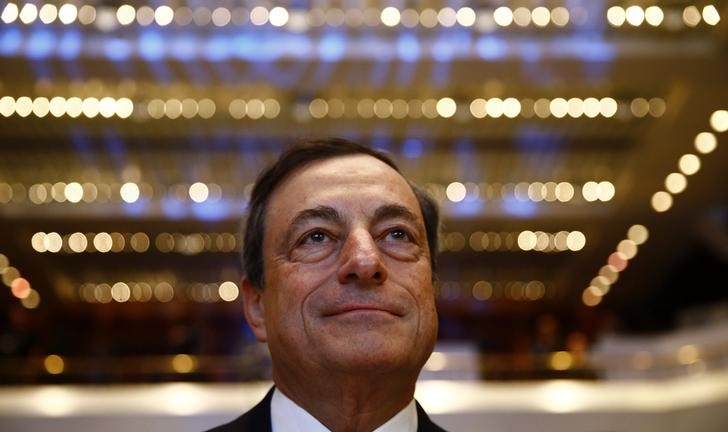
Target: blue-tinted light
{"x": 408, "y": 47}
{"x": 216, "y": 49}
{"x": 183, "y": 47}
{"x": 412, "y": 148}
{"x": 40, "y": 45}
{"x": 151, "y": 45}
{"x": 10, "y": 41}
{"x": 332, "y": 47}
{"x": 117, "y": 49}
{"x": 519, "y": 209}
{"x": 70, "y": 44}
{"x": 491, "y": 48}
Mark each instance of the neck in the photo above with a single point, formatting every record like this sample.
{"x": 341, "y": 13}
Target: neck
{"x": 349, "y": 403}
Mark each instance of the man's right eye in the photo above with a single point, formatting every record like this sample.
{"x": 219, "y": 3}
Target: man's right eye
{"x": 315, "y": 237}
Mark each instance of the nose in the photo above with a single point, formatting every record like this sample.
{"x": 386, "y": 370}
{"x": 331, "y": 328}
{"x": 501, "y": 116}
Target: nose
{"x": 361, "y": 260}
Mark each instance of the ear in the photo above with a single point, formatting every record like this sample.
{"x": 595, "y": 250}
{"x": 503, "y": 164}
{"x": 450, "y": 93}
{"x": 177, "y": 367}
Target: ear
{"x": 254, "y": 309}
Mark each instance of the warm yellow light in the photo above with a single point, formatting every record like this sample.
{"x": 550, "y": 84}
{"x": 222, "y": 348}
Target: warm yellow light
{"x": 560, "y": 16}
{"x": 390, "y": 16}
{"x": 609, "y": 273}
{"x": 654, "y": 15}
{"x": 455, "y": 191}
{"x": 67, "y": 13}
{"x": 575, "y": 241}
{"x": 41, "y": 106}
{"x": 559, "y": 107}
{"x": 278, "y": 16}
{"x": 48, "y": 13}
{"x": 627, "y": 248}
{"x": 428, "y": 18}
{"x": 564, "y": 191}
{"x": 120, "y": 292}
{"x": 638, "y": 234}
{"x": 522, "y": 16}
{"x": 503, "y": 16}
{"x": 711, "y": 15}
{"x": 600, "y": 285}
{"x": 608, "y": 107}
{"x": 54, "y": 364}
{"x": 616, "y": 16}
{"x": 719, "y": 121}
{"x": 10, "y": 13}
{"x": 103, "y": 242}
{"x": 28, "y": 13}
{"x": 590, "y": 191}
{"x": 90, "y": 107}
{"x": 689, "y": 164}
{"x": 129, "y": 192}
{"x": 125, "y": 14}
{"x": 73, "y": 192}
{"x": 688, "y": 354}
{"x": 87, "y": 15}
{"x": 446, "y": 107}
{"x": 661, "y": 201}
{"x": 592, "y": 107}
{"x": 590, "y": 298}
{"x": 705, "y": 142}
{"x": 527, "y": 240}
{"x": 606, "y": 191}
{"x": 635, "y": 15}
{"x": 199, "y": 192}
{"x": 466, "y": 16}
{"x": 494, "y": 107}
{"x": 561, "y": 360}
{"x": 53, "y": 242}
{"x": 221, "y": 16}
{"x": 447, "y": 17}
{"x": 675, "y": 183}
{"x": 691, "y": 16}
{"x": 511, "y": 107}
{"x": 259, "y": 15}
{"x": 32, "y": 301}
{"x": 77, "y": 242}
{"x": 640, "y": 107}
{"x": 540, "y": 16}
{"x": 436, "y": 362}
{"x": 228, "y": 291}
{"x": 482, "y": 290}
{"x": 183, "y": 363}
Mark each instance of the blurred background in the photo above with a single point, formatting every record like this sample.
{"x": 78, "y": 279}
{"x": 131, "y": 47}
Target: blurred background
{"x": 576, "y": 148}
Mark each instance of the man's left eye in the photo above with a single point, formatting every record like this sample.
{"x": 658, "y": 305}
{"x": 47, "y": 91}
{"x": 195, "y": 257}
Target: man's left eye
{"x": 398, "y": 234}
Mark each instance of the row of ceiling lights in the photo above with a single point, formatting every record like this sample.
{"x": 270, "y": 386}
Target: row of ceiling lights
{"x": 297, "y": 20}
{"x": 367, "y": 108}
{"x": 479, "y": 108}
{"x": 675, "y": 183}
{"x": 527, "y": 240}
{"x": 636, "y": 15}
{"x": 163, "y": 292}
{"x": 115, "y": 242}
{"x": 200, "y": 192}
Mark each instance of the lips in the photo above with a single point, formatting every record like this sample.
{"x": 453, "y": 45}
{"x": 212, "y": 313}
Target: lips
{"x": 352, "y": 308}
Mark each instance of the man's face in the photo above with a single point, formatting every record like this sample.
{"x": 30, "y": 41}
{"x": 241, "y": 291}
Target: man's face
{"x": 348, "y": 281}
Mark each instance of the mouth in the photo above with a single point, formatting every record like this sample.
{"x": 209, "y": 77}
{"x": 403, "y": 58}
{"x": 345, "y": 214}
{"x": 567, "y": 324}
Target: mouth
{"x": 361, "y": 309}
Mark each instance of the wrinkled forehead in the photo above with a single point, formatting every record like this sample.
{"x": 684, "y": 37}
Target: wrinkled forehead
{"x": 350, "y": 178}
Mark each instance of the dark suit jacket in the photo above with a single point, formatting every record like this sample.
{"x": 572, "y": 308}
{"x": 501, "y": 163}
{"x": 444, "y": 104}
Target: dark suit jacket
{"x": 258, "y": 420}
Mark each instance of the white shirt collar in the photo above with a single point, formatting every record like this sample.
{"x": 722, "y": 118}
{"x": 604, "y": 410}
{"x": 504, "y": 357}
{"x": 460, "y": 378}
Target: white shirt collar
{"x": 286, "y": 416}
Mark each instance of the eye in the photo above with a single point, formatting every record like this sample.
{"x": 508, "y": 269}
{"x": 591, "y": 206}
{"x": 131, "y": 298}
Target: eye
{"x": 317, "y": 236}
{"x": 398, "y": 234}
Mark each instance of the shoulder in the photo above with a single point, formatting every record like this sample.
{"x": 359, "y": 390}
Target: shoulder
{"x": 255, "y": 420}
{"x": 424, "y": 424}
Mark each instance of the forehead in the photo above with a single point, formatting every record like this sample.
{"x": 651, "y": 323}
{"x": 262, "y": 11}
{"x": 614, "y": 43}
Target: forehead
{"x": 360, "y": 180}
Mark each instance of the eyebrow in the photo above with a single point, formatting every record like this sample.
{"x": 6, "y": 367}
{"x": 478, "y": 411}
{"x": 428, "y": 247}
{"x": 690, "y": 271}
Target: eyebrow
{"x": 392, "y": 211}
{"x": 325, "y": 213}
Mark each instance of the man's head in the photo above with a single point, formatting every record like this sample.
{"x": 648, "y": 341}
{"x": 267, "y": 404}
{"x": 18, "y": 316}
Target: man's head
{"x": 295, "y": 158}
{"x": 339, "y": 256}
